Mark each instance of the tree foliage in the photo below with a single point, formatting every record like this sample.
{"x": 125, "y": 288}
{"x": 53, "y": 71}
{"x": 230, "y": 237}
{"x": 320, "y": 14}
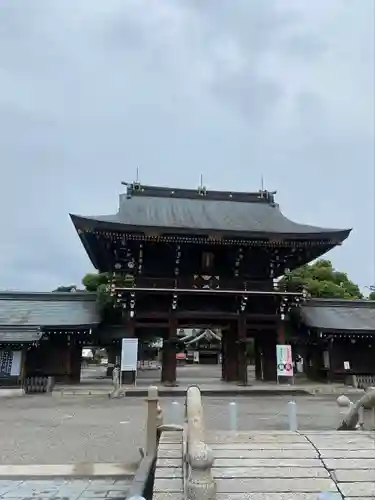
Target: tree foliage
{"x": 320, "y": 279}
{"x": 372, "y": 295}
{"x": 100, "y": 283}
{"x": 68, "y": 288}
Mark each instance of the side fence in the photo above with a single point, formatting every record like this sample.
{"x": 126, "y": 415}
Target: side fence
{"x": 197, "y": 482}
{"x": 142, "y": 484}
{"x": 198, "y": 458}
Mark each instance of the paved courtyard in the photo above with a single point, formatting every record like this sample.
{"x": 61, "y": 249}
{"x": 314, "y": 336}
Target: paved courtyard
{"x": 42, "y": 429}
{"x": 63, "y": 490}
{"x": 277, "y": 465}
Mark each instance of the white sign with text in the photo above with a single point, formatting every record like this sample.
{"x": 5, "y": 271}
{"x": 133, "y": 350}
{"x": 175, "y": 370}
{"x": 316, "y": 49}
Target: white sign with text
{"x": 284, "y": 360}
{"x": 129, "y": 355}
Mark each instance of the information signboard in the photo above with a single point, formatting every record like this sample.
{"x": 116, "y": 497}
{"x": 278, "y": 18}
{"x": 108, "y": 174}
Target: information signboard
{"x": 16, "y": 364}
{"x": 129, "y": 355}
{"x": 284, "y": 361}
{"x": 10, "y": 363}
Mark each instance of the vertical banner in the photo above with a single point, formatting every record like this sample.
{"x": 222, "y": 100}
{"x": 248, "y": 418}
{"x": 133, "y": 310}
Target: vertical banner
{"x": 10, "y": 363}
{"x": 16, "y": 364}
{"x": 129, "y": 355}
{"x": 284, "y": 361}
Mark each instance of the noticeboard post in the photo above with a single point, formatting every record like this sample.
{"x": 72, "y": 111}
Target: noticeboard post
{"x": 284, "y": 362}
{"x": 129, "y": 356}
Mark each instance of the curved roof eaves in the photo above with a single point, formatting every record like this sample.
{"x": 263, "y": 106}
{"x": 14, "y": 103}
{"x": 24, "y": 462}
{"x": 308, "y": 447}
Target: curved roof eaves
{"x": 182, "y": 215}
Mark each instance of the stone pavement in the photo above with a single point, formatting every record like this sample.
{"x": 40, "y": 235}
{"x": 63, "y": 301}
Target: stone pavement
{"x": 11, "y": 393}
{"x": 207, "y": 389}
{"x": 207, "y": 377}
{"x": 60, "y": 489}
{"x": 278, "y": 465}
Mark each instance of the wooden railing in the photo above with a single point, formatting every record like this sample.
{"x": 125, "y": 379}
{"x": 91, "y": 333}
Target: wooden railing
{"x": 142, "y": 484}
{"x": 197, "y": 458}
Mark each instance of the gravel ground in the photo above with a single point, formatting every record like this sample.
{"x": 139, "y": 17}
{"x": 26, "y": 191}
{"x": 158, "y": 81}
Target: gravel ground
{"x": 43, "y": 429}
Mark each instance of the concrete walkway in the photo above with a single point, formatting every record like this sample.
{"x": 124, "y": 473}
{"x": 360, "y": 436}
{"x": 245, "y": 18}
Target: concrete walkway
{"x": 62, "y": 489}
{"x": 277, "y": 465}
{"x": 67, "y": 471}
{"x": 207, "y": 377}
{"x": 11, "y": 393}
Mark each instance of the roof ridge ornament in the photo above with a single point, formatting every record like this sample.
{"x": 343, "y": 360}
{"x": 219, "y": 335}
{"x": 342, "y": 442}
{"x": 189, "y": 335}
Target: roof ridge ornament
{"x": 202, "y": 190}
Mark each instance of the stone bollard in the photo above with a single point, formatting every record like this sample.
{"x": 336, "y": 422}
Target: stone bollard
{"x": 372, "y": 420}
{"x": 160, "y": 416}
{"x": 116, "y": 378}
{"x": 343, "y": 401}
{"x": 175, "y": 412}
{"x": 292, "y": 416}
{"x": 152, "y": 420}
{"x": 200, "y": 483}
{"x": 233, "y": 416}
{"x": 50, "y": 384}
{"x": 361, "y": 417}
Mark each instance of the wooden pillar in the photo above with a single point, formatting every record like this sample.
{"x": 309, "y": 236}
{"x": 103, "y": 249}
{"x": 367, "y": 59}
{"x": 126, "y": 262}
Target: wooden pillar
{"x": 241, "y": 350}
{"x": 269, "y": 358}
{"x": 113, "y": 353}
{"x": 231, "y": 361}
{"x": 76, "y": 355}
{"x": 258, "y": 355}
{"x": 169, "y": 362}
{"x": 281, "y": 332}
{"x": 73, "y": 361}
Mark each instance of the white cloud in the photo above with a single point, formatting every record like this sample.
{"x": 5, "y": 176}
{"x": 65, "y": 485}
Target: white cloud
{"x": 90, "y": 90}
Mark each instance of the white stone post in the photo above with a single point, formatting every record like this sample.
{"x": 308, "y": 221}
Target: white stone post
{"x": 116, "y": 375}
{"x": 233, "y": 416}
{"x": 175, "y": 412}
{"x": 200, "y": 482}
{"x": 152, "y": 420}
{"x": 292, "y": 416}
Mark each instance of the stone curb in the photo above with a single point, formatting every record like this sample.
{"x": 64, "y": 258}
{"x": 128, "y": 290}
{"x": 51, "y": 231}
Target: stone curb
{"x": 11, "y": 393}
{"x": 163, "y": 392}
{"x": 76, "y": 471}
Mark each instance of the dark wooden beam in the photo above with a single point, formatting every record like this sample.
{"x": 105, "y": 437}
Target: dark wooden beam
{"x": 205, "y": 291}
{"x": 195, "y": 316}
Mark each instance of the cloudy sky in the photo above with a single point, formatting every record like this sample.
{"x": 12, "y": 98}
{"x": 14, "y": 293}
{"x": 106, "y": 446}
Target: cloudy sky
{"x": 231, "y": 89}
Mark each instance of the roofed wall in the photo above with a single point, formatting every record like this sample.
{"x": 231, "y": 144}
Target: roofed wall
{"x": 50, "y": 309}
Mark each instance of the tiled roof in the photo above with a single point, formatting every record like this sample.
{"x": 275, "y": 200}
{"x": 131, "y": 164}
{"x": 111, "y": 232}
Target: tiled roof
{"x": 19, "y": 334}
{"x": 55, "y": 309}
{"x": 182, "y": 210}
{"x": 339, "y": 315}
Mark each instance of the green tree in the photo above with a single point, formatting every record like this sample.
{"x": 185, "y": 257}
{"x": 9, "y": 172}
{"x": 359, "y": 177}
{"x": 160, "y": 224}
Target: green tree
{"x": 101, "y": 283}
{"x": 321, "y": 279}
{"x": 372, "y": 293}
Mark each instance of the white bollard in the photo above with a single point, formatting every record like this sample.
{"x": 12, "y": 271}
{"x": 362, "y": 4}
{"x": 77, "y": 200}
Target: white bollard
{"x": 343, "y": 401}
{"x": 175, "y": 412}
{"x": 372, "y": 418}
{"x": 292, "y": 416}
{"x": 233, "y": 416}
{"x": 361, "y": 417}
